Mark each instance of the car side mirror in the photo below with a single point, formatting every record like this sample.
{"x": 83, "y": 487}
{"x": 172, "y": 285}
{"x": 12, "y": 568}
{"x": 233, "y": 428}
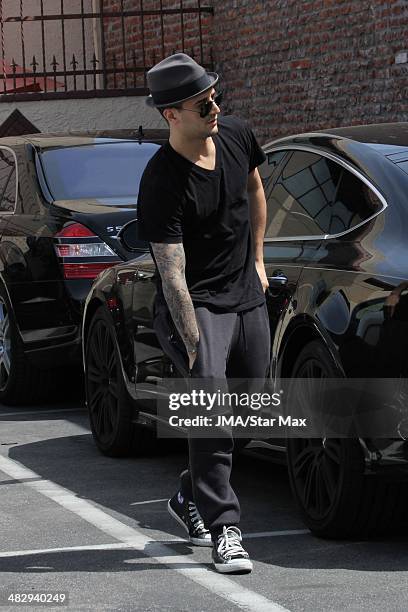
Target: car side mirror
{"x": 129, "y": 237}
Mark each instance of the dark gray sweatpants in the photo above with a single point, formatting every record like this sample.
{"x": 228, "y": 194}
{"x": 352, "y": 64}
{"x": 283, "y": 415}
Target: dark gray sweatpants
{"x": 233, "y": 345}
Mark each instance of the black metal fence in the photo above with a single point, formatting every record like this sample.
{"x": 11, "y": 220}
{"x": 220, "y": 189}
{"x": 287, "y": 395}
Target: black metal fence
{"x": 95, "y": 51}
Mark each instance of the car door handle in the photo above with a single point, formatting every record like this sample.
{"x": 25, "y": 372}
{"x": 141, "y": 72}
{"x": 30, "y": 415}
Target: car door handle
{"x": 140, "y": 275}
{"x": 278, "y": 279}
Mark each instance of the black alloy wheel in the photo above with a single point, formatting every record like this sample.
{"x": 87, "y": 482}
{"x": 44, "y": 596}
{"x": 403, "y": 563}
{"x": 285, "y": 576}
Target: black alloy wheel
{"x": 325, "y": 473}
{"x": 109, "y": 405}
{"x": 5, "y": 346}
{"x": 337, "y": 496}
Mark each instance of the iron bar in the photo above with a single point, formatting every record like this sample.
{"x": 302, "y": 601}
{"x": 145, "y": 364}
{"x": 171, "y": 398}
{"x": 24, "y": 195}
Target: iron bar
{"x": 162, "y": 27}
{"x": 13, "y": 67}
{"x": 182, "y": 25}
{"x": 64, "y": 61}
{"x": 94, "y": 61}
{"x": 143, "y": 41}
{"x": 123, "y": 41}
{"x": 134, "y": 67}
{"x": 114, "y": 71}
{"x": 74, "y": 64}
{"x": 22, "y": 42}
{"x": 73, "y": 95}
{"x": 107, "y": 14}
{"x": 3, "y": 55}
{"x": 83, "y": 44}
{"x": 103, "y": 48}
{"x": 200, "y": 30}
{"x": 34, "y": 64}
{"x": 54, "y": 65}
{"x": 43, "y": 40}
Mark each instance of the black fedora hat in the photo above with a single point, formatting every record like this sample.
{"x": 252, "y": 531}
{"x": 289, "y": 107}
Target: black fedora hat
{"x": 177, "y": 78}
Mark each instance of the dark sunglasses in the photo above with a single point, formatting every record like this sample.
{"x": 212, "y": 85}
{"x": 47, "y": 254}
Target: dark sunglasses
{"x": 205, "y": 106}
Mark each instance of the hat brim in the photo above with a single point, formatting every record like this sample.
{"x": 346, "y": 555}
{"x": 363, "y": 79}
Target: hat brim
{"x": 150, "y": 102}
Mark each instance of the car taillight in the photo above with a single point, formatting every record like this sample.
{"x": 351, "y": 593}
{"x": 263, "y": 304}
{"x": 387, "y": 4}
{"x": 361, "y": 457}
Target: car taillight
{"x": 82, "y": 253}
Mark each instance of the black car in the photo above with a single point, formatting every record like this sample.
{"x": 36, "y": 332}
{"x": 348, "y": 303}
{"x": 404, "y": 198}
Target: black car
{"x": 336, "y": 253}
{"x": 63, "y": 200}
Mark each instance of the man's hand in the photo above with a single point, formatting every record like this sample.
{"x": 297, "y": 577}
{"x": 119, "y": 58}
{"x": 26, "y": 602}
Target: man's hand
{"x": 260, "y": 268}
{"x": 191, "y": 359}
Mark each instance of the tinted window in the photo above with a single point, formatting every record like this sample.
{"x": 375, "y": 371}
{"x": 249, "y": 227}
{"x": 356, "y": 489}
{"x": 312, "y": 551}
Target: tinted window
{"x": 108, "y": 172}
{"x": 354, "y": 203}
{"x": 315, "y": 196}
{"x": 299, "y": 203}
{"x": 404, "y": 166}
{"x": 7, "y": 181}
{"x": 268, "y": 170}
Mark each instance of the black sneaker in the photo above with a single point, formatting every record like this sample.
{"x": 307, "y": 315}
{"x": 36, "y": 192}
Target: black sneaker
{"x": 186, "y": 513}
{"x": 228, "y": 554}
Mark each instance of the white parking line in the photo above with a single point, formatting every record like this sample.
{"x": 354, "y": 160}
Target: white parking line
{"x": 275, "y": 534}
{"x": 218, "y": 584}
{"x": 150, "y": 501}
{"x": 45, "y": 551}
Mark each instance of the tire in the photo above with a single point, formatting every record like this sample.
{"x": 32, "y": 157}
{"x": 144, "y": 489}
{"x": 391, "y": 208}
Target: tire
{"x": 327, "y": 477}
{"x": 20, "y": 381}
{"x": 109, "y": 405}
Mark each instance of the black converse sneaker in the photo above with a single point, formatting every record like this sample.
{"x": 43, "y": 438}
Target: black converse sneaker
{"x": 228, "y": 554}
{"x": 186, "y": 513}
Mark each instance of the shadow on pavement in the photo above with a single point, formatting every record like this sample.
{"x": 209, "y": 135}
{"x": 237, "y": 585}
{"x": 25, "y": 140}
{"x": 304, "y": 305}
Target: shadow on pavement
{"x": 119, "y": 485}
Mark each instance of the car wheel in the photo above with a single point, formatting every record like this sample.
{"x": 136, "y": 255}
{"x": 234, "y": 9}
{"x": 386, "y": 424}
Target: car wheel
{"x": 109, "y": 405}
{"x": 20, "y": 381}
{"x": 327, "y": 476}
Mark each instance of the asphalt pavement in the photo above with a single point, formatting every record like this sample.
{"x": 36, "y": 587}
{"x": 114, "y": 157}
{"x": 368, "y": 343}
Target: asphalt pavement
{"x": 95, "y": 530}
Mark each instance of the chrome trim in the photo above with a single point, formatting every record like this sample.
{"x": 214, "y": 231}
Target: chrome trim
{"x": 340, "y": 161}
{"x": 11, "y": 212}
{"x": 272, "y": 143}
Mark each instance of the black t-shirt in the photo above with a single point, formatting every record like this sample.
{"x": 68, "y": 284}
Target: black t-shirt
{"x": 208, "y": 211}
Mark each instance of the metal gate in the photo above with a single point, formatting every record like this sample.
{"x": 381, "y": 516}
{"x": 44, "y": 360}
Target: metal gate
{"x": 94, "y": 48}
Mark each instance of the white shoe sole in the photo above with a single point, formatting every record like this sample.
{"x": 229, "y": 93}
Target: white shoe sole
{"x": 195, "y": 541}
{"x": 241, "y": 565}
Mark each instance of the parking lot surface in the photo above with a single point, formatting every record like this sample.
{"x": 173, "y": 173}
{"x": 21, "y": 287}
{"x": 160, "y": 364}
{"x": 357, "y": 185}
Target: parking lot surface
{"x": 97, "y": 530}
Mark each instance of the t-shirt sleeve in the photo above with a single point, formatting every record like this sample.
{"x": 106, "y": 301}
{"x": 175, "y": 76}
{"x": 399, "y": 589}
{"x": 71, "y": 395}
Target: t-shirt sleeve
{"x": 256, "y": 155}
{"x": 159, "y": 212}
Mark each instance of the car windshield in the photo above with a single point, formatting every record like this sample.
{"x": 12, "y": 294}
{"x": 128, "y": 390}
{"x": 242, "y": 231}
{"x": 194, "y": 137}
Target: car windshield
{"x": 109, "y": 173}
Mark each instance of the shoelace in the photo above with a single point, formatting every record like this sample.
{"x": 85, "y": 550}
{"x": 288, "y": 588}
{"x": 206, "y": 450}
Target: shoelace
{"x": 195, "y": 518}
{"x": 229, "y": 543}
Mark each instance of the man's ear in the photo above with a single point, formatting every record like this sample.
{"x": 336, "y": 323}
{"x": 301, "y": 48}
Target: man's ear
{"x": 170, "y": 115}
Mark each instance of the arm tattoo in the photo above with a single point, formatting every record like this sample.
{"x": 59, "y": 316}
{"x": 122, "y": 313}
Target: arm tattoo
{"x": 171, "y": 263}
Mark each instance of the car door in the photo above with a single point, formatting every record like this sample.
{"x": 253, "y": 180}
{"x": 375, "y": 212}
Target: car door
{"x": 299, "y": 187}
{"x": 8, "y": 199}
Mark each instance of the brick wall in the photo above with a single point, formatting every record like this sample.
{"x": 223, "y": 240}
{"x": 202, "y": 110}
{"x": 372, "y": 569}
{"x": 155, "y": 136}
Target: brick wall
{"x": 287, "y": 65}
{"x": 152, "y": 37}
{"x": 297, "y": 65}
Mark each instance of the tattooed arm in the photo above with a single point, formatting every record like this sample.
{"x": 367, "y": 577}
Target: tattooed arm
{"x": 171, "y": 263}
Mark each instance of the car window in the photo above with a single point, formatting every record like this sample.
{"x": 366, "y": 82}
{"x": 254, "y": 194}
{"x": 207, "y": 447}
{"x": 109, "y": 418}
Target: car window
{"x": 354, "y": 202}
{"x": 315, "y": 196}
{"x": 403, "y": 165}
{"x": 109, "y": 173}
{"x": 300, "y": 200}
{"x": 7, "y": 181}
{"x": 269, "y": 170}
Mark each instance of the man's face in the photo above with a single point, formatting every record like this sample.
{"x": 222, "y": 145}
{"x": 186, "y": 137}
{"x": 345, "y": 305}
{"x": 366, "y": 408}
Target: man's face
{"x": 187, "y": 118}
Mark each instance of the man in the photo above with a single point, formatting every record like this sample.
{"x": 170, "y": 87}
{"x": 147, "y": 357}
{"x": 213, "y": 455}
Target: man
{"x": 202, "y": 208}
